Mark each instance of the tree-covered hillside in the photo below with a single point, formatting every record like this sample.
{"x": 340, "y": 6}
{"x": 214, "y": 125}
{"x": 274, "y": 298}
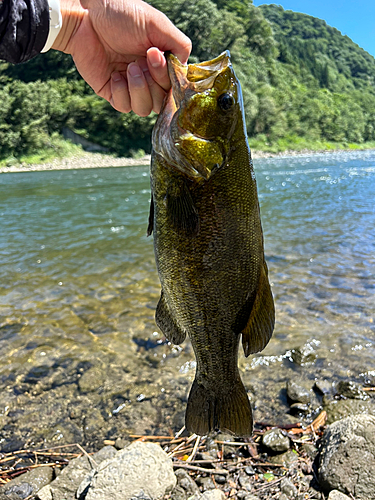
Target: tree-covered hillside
{"x": 304, "y": 84}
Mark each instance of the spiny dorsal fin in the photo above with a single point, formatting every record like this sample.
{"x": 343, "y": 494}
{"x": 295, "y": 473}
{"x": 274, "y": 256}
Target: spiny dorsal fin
{"x": 259, "y": 328}
{"x": 167, "y": 324}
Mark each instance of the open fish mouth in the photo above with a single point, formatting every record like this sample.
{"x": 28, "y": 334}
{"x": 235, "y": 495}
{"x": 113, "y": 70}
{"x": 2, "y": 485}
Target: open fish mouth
{"x": 168, "y": 134}
{"x": 195, "y": 77}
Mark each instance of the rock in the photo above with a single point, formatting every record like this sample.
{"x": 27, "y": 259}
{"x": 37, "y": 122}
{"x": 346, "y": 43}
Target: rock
{"x": 65, "y": 486}
{"x": 276, "y": 440}
{"x": 141, "y": 470}
{"x": 310, "y": 450}
{"x": 347, "y": 459}
{"x": 213, "y": 495}
{"x": 286, "y": 459}
{"x": 245, "y": 482}
{"x": 351, "y": 390}
{"x": 337, "y": 495}
{"x": 298, "y": 408}
{"x": 323, "y": 386}
{"x": 220, "y": 479}
{"x": 186, "y": 483}
{"x": 288, "y": 488}
{"x": 206, "y": 483}
{"x": 297, "y": 393}
{"x": 249, "y": 470}
{"x": 337, "y": 410}
{"x": 91, "y": 380}
{"x": 29, "y": 483}
{"x": 304, "y": 355}
{"x": 283, "y": 497}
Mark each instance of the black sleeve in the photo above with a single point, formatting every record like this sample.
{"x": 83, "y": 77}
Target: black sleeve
{"x": 24, "y": 27}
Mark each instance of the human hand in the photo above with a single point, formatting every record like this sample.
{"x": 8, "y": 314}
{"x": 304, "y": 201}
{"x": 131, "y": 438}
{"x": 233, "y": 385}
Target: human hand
{"x": 117, "y": 47}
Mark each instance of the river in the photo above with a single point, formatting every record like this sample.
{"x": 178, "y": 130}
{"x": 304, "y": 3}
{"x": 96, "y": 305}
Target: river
{"x": 82, "y": 359}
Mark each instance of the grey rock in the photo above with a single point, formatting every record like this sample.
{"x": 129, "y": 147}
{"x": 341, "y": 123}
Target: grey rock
{"x": 286, "y": 459}
{"x": 245, "y": 482}
{"x": 121, "y": 443}
{"x": 29, "y": 483}
{"x": 310, "y": 450}
{"x": 206, "y": 483}
{"x": 324, "y": 386}
{"x": 297, "y": 408}
{"x": 141, "y": 470}
{"x": 347, "y": 459}
{"x": 337, "y": 495}
{"x": 351, "y": 390}
{"x": 65, "y": 486}
{"x": 283, "y": 497}
{"x": 343, "y": 408}
{"x": 249, "y": 470}
{"x": 276, "y": 440}
{"x": 288, "y": 488}
{"x": 297, "y": 393}
{"x": 213, "y": 495}
{"x": 186, "y": 482}
{"x": 305, "y": 354}
{"x": 91, "y": 380}
{"x": 220, "y": 479}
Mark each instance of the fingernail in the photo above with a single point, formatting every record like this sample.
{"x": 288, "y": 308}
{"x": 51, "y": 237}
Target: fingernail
{"x": 116, "y": 77}
{"x": 134, "y": 70}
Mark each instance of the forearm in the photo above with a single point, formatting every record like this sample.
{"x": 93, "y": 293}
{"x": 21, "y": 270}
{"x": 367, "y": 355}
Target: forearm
{"x": 24, "y": 26}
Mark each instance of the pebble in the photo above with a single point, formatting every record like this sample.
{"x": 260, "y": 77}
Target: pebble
{"x": 297, "y": 408}
{"x": 213, "y": 495}
{"x": 220, "y": 479}
{"x": 337, "y": 495}
{"x": 304, "y": 355}
{"x": 288, "y": 488}
{"x": 276, "y": 440}
{"x": 286, "y": 459}
{"x": 249, "y": 470}
{"x": 245, "y": 482}
{"x": 297, "y": 393}
{"x": 205, "y": 483}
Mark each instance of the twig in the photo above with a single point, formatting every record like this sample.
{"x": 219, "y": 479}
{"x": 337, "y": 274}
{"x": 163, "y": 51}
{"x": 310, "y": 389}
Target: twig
{"x": 87, "y": 455}
{"x": 271, "y": 483}
{"x": 195, "y": 449}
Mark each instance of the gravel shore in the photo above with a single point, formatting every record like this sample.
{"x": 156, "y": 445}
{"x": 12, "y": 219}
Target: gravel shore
{"x": 97, "y": 160}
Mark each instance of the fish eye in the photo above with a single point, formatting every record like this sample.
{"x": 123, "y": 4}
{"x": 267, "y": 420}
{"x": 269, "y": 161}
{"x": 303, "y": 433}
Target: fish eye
{"x": 225, "y": 101}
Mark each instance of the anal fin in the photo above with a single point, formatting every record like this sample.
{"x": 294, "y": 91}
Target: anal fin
{"x": 167, "y": 324}
{"x": 259, "y": 327}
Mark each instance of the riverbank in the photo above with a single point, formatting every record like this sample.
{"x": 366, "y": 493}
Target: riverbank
{"x": 97, "y": 160}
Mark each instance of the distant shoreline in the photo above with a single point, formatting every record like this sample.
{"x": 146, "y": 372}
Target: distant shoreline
{"x": 95, "y": 160}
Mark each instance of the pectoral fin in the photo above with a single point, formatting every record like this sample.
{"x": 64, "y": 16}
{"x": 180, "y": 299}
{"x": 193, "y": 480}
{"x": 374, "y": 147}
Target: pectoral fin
{"x": 259, "y": 327}
{"x": 167, "y": 324}
{"x": 181, "y": 210}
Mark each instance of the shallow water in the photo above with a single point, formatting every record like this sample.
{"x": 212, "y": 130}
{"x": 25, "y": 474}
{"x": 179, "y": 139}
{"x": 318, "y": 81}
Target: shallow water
{"x": 82, "y": 359}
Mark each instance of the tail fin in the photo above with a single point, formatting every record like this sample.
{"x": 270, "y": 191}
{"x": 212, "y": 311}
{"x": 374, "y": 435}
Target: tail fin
{"x": 209, "y": 411}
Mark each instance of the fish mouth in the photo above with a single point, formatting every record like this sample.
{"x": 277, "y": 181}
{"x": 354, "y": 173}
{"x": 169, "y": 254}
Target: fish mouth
{"x": 186, "y": 80}
{"x": 194, "y": 77}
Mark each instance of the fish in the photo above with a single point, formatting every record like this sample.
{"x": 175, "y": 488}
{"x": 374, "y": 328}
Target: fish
{"x": 208, "y": 239}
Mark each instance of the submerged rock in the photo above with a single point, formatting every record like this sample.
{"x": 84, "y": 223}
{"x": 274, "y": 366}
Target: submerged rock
{"x": 339, "y": 409}
{"x": 351, "y": 390}
{"x": 29, "y": 483}
{"x": 297, "y": 393}
{"x": 347, "y": 460}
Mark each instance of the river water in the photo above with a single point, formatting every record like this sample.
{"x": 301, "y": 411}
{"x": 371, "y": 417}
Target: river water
{"x": 82, "y": 359}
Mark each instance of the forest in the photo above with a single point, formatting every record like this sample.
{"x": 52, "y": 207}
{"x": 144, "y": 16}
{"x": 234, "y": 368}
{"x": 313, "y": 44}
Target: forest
{"x": 304, "y": 84}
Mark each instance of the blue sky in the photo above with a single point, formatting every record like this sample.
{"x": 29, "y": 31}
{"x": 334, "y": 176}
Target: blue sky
{"x": 354, "y": 18}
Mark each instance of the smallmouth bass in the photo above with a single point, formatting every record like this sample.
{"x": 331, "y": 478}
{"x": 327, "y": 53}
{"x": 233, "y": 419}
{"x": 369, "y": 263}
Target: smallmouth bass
{"x": 208, "y": 239}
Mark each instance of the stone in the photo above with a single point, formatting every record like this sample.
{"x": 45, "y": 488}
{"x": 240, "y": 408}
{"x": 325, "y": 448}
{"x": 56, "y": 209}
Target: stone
{"x": 245, "y": 482}
{"x": 206, "y": 483}
{"x": 337, "y": 410}
{"x": 299, "y": 408}
{"x": 310, "y": 450}
{"x": 323, "y": 386}
{"x": 65, "y": 486}
{"x": 337, "y": 495}
{"x": 283, "y": 497}
{"x": 276, "y": 440}
{"x": 347, "y": 459}
{"x": 297, "y": 393}
{"x": 141, "y": 470}
{"x": 213, "y": 495}
{"x": 351, "y": 390}
{"x": 29, "y": 483}
{"x": 304, "y": 355}
{"x": 186, "y": 482}
{"x": 249, "y": 470}
{"x": 286, "y": 459}
{"x": 288, "y": 488}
